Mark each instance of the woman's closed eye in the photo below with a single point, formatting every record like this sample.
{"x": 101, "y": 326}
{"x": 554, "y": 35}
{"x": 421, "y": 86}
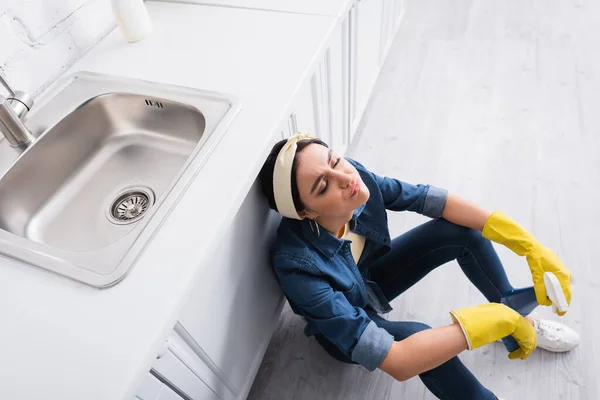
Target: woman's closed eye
{"x": 326, "y": 185}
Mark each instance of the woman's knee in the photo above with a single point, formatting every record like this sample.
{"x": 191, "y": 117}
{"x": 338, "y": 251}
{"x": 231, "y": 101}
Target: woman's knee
{"x": 473, "y": 237}
{"x": 462, "y": 234}
{"x": 403, "y": 329}
{"x": 415, "y": 327}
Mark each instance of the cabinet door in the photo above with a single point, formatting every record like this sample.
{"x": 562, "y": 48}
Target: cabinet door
{"x": 321, "y": 97}
{"x": 399, "y": 8}
{"x": 154, "y": 389}
{"x": 286, "y": 128}
{"x": 183, "y": 370}
{"x": 368, "y": 27}
{"x": 302, "y": 117}
{"x": 233, "y": 312}
{"x": 386, "y": 27}
{"x": 337, "y": 63}
{"x": 392, "y": 12}
{"x": 311, "y": 107}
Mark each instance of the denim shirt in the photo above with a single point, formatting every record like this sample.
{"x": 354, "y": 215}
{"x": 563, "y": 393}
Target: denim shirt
{"x": 323, "y": 284}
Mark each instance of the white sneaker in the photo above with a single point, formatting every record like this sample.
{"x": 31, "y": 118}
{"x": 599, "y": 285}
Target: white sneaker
{"x": 553, "y": 335}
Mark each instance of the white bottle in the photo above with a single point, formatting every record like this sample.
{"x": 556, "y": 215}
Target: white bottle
{"x": 133, "y": 19}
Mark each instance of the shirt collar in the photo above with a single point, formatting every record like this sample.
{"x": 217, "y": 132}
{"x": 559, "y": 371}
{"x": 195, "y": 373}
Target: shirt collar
{"x": 325, "y": 241}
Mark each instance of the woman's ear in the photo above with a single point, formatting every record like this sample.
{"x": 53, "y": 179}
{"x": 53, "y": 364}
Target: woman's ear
{"x": 307, "y": 214}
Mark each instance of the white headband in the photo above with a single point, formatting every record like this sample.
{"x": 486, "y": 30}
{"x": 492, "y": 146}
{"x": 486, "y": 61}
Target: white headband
{"x": 282, "y": 177}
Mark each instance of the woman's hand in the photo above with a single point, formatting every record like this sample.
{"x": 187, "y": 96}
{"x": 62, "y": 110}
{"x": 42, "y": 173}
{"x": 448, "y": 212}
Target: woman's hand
{"x": 500, "y": 228}
{"x": 473, "y": 327}
{"x": 489, "y": 322}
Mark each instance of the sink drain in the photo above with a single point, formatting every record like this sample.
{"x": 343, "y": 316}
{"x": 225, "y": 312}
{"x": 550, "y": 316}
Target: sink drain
{"x": 130, "y": 206}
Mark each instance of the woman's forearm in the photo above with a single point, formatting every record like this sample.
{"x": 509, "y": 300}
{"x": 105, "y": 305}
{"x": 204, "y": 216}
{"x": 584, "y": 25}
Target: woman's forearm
{"x": 464, "y": 213}
{"x": 423, "y": 351}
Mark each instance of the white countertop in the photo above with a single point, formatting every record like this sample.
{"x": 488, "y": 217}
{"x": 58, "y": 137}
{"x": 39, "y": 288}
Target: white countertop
{"x": 64, "y": 340}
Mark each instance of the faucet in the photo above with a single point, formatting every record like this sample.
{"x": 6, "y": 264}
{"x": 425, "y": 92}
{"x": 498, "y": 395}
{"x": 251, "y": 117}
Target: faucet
{"x": 12, "y": 112}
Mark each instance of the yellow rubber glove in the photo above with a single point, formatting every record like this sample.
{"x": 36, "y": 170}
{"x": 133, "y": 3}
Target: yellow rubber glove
{"x": 489, "y": 322}
{"x": 500, "y": 228}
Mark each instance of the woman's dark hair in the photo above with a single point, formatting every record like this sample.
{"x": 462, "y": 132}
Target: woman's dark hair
{"x": 266, "y": 172}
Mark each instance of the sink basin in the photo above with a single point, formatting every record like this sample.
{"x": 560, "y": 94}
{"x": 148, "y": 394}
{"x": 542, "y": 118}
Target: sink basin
{"x": 111, "y": 159}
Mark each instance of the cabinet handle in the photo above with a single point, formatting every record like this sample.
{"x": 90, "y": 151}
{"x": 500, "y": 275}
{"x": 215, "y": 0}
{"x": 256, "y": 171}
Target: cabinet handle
{"x": 164, "y": 350}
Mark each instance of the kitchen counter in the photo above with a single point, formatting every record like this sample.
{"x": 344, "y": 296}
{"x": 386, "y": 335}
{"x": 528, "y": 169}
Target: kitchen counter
{"x": 64, "y": 340}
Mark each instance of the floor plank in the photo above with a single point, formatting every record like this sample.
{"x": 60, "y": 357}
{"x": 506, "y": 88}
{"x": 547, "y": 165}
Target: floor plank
{"x": 495, "y": 101}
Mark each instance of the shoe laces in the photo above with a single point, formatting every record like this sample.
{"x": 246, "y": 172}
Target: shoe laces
{"x": 549, "y": 330}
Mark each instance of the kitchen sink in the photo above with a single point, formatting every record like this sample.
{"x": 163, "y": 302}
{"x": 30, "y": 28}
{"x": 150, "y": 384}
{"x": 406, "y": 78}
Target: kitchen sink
{"x": 111, "y": 158}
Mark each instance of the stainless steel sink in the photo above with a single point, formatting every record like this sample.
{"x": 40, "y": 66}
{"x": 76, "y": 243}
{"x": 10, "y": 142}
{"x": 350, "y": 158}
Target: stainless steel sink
{"x": 111, "y": 158}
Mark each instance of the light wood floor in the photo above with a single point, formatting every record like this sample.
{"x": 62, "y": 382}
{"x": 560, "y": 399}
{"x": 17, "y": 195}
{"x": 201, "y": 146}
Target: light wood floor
{"x": 499, "y": 102}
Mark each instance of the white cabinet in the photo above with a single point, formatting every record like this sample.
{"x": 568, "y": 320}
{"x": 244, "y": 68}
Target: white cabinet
{"x": 180, "y": 368}
{"x": 393, "y": 12}
{"x": 154, "y": 389}
{"x": 320, "y": 87}
{"x": 303, "y": 115}
{"x": 373, "y": 25}
{"x": 399, "y": 8}
{"x": 388, "y": 26}
{"x": 287, "y": 128}
{"x": 311, "y": 109}
{"x": 322, "y": 106}
{"x": 306, "y": 115}
{"x": 336, "y": 84}
{"x": 367, "y": 34}
{"x": 231, "y": 315}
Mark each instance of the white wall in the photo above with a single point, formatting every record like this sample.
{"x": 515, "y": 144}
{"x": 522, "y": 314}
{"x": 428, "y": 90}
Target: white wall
{"x": 40, "y": 39}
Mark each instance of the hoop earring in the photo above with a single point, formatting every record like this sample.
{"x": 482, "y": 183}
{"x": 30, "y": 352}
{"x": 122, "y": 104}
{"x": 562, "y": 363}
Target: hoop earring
{"x": 310, "y": 222}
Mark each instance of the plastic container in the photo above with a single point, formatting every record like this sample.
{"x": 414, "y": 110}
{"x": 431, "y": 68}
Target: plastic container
{"x": 133, "y": 19}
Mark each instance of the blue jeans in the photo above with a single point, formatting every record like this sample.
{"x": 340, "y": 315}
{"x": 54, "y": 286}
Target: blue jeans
{"x": 413, "y": 255}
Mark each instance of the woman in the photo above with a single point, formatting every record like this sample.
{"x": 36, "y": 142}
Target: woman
{"x": 339, "y": 269}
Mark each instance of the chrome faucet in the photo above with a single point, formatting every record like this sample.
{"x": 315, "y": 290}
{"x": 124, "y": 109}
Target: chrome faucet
{"x": 12, "y": 112}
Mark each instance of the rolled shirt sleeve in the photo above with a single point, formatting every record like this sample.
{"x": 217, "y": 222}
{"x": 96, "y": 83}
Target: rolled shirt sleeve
{"x": 348, "y": 327}
{"x": 401, "y": 196}
{"x": 435, "y": 201}
{"x": 372, "y": 347}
